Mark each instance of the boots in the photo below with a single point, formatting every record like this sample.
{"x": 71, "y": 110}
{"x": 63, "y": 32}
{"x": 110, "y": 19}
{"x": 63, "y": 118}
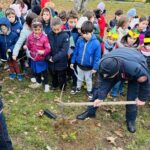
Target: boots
{"x": 131, "y": 126}
{"x": 85, "y": 115}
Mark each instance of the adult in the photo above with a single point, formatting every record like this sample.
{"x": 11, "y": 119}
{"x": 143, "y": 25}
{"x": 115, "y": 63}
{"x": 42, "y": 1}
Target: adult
{"x": 122, "y": 64}
{"x": 5, "y": 141}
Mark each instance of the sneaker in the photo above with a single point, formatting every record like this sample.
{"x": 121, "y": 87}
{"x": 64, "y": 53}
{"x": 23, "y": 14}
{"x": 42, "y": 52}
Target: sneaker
{"x": 46, "y": 88}
{"x": 20, "y": 77}
{"x": 90, "y": 95}
{"x": 35, "y": 85}
{"x": 53, "y": 88}
{"x": 73, "y": 91}
{"x": 6, "y": 66}
{"x": 33, "y": 80}
{"x": 78, "y": 90}
{"x": 12, "y": 76}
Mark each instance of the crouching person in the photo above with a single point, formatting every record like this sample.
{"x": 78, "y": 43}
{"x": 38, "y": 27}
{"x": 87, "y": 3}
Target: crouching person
{"x": 122, "y": 64}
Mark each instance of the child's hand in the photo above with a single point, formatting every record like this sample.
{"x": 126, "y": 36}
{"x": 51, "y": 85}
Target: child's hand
{"x": 51, "y": 60}
{"x": 41, "y": 52}
{"x": 93, "y": 71}
{"x": 72, "y": 66}
{"x": 14, "y": 57}
{"x": 25, "y": 47}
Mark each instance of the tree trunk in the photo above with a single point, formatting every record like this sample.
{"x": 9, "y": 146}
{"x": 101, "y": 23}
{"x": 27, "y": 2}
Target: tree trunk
{"x": 80, "y": 5}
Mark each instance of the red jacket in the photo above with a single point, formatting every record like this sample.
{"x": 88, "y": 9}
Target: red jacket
{"x": 102, "y": 25}
{"x": 43, "y": 3}
{"x": 41, "y": 43}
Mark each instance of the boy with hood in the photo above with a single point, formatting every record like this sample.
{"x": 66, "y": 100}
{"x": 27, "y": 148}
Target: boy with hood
{"x": 15, "y": 24}
{"x": 7, "y": 41}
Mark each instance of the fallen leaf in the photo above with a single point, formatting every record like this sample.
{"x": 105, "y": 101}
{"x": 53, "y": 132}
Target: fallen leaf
{"x": 10, "y": 92}
{"x": 35, "y": 128}
{"x": 111, "y": 140}
{"x": 118, "y": 133}
{"x": 40, "y": 113}
{"x": 26, "y": 133}
{"x": 99, "y": 125}
{"x": 119, "y": 148}
{"x": 74, "y": 121}
{"x": 48, "y": 147}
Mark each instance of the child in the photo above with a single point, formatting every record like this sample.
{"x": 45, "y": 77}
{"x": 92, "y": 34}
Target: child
{"x": 15, "y": 24}
{"x": 63, "y": 16}
{"x": 51, "y": 5}
{"x": 111, "y": 42}
{"x": 91, "y": 17}
{"x": 133, "y": 19}
{"x": 7, "y": 41}
{"x": 114, "y": 22}
{"x": 43, "y": 2}
{"x": 1, "y": 11}
{"x": 20, "y": 9}
{"x": 101, "y": 23}
{"x": 39, "y": 48}
{"x": 72, "y": 18}
{"x": 25, "y": 32}
{"x": 141, "y": 27}
{"x": 59, "y": 42}
{"x": 146, "y": 48}
{"x": 122, "y": 28}
{"x": 46, "y": 19}
{"x": 131, "y": 39}
{"x": 87, "y": 53}
{"x": 101, "y": 19}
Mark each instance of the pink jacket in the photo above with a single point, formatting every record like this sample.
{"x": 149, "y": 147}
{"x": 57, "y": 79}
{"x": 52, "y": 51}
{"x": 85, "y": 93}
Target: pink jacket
{"x": 38, "y": 43}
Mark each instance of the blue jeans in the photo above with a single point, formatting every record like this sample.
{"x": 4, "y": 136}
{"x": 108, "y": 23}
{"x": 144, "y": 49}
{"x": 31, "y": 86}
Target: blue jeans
{"x": 131, "y": 110}
{"x": 5, "y": 141}
{"x": 117, "y": 89}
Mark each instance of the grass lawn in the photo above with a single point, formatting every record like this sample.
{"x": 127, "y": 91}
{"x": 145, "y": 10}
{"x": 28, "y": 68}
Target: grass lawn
{"x": 31, "y": 132}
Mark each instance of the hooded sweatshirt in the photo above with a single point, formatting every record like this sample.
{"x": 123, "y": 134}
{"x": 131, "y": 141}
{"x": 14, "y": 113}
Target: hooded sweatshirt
{"x": 7, "y": 41}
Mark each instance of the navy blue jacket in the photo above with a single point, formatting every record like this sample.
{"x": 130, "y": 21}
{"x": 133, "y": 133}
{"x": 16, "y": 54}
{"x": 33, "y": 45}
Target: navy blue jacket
{"x": 7, "y": 41}
{"x": 60, "y": 46}
{"x": 88, "y": 53}
{"x": 46, "y": 27}
{"x": 16, "y": 27}
{"x": 133, "y": 66}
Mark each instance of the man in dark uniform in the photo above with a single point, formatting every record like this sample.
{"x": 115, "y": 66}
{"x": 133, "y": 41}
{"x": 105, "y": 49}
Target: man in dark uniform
{"x": 5, "y": 141}
{"x": 122, "y": 64}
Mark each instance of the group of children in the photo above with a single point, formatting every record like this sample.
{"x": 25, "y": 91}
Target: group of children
{"x": 63, "y": 46}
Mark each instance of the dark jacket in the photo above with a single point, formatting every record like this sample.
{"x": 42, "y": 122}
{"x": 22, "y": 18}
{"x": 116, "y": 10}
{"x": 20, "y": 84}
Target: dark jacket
{"x": 7, "y": 41}
{"x": 16, "y": 27}
{"x": 59, "y": 46}
{"x": 46, "y": 27}
{"x": 133, "y": 66}
{"x": 113, "y": 23}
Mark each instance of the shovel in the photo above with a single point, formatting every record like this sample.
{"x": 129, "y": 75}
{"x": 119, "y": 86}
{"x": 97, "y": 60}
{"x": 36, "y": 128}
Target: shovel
{"x": 77, "y": 104}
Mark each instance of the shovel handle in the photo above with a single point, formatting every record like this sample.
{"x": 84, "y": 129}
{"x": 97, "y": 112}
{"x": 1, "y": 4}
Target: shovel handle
{"x": 102, "y": 103}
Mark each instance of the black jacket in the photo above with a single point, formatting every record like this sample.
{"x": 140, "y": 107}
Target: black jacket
{"x": 60, "y": 46}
